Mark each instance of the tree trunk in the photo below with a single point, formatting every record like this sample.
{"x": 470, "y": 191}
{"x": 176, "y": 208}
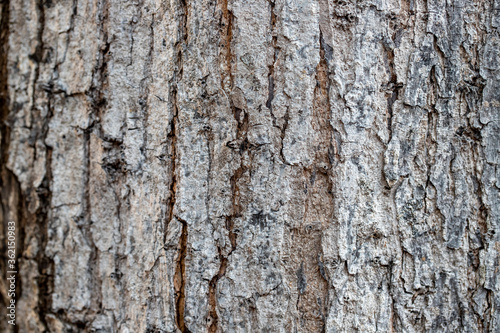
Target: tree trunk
{"x": 251, "y": 166}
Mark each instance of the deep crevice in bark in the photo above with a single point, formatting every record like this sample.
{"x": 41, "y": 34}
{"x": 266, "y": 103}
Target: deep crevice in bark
{"x": 180, "y": 271}
{"x": 270, "y": 75}
{"x": 226, "y": 36}
{"x": 98, "y": 103}
{"x": 45, "y": 264}
{"x": 323, "y": 88}
{"x": 393, "y": 89}
{"x": 236, "y": 212}
{"x": 180, "y": 279}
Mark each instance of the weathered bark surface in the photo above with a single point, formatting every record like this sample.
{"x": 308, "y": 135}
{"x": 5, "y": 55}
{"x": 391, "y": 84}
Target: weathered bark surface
{"x": 252, "y": 166}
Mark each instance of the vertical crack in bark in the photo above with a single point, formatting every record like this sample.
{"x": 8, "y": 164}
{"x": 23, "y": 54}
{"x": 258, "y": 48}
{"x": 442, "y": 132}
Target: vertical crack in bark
{"x": 286, "y": 118}
{"x": 392, "y": 96}
{"x": 99, "y": 76}
{"x": 38, "y": 55}
{"x": 145, "y": 84}
{"x": 212, "y": 290}
{"x": 180, "y": 270}
{"x": 226, "y": 36}
{"x": 271, "y": 80}
{"x": 173, "y": 157}
{"x": 315, "y": 299}
{"x": 45, "y": 264}
{"x": 98, "y": 103}
{"x": 241, "y": 134}
{"x": 86, "y": 215}
{"x": 393, "y": 89}
{"x": 180, "y": 279}
{"x": 236, "y": 211}
{"x": 394, "y": 316}
{"x": 271, "y": 66}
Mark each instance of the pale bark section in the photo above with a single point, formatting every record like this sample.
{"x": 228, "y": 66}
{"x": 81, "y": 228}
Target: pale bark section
{"x": 252, "y": 166}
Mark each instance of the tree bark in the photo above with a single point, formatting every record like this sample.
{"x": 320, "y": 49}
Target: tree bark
{"x": 251, "y": 166}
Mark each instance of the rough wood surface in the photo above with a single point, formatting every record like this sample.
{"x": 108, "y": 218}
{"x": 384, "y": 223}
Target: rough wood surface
{"x": 252, "y": 166}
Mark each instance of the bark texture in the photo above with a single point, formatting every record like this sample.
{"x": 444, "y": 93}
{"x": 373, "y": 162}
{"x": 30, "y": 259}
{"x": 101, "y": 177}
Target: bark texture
{"x": 252, "y": 166}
